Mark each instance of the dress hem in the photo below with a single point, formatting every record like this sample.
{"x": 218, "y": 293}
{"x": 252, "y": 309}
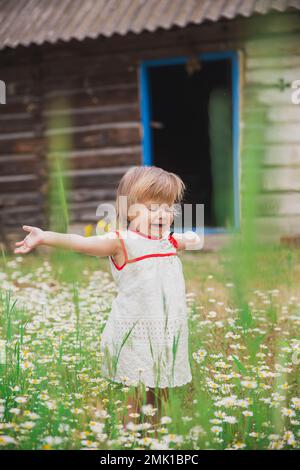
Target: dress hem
{"x": 147, "y": 385}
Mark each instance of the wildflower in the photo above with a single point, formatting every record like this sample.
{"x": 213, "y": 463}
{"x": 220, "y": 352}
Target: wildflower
{"x": 148, "y": 410}
{"x": 251, "y": 384}
{"x": 238, "y": 445}
{"x": 215, "y": 421}
{"x": 102, "y": 414}
{"x": 165, "y": 420}
{"x": 230, "y": 419}
{"x": 28, "y": 425}
{"x": 173, "y": 438}
{"x": 290, "y": 438}
{"x": 31, "y": 415}
{"x": 96, "y": 427}
{"x": 212, "y": 314}
{"x": 131, "y": 426}
{"x": 6, "y": 440}
{"x": 34, "y": 381}
{"x": 220, "y": 414}
{"x": 199, "y": 355}
{"x": 295, "y": 403}
{"x": 216, "y": 429}
{"x": 288, "y": 412}
{"x": 53, "y": 440}
{"x": 21, "y": 399}
{"x": 284, "y": 386}
{"x": 89, "y": 444}
{"x": 228, "y": 402}
{"x": 26, "y": 365}
{"x": 196, "y": 431}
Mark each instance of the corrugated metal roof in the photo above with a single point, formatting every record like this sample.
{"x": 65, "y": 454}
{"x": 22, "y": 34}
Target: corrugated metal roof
{"x": 23, "y": 22}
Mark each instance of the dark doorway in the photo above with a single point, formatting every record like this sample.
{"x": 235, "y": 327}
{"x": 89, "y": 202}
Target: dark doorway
{"x": 191, "y": 132}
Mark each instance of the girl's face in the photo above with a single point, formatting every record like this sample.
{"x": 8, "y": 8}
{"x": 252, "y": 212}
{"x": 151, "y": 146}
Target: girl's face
{"x": 151, "y": 218}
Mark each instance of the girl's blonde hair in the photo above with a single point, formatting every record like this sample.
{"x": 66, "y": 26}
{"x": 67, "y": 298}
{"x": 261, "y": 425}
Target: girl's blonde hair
{"x": 147, "y": 183}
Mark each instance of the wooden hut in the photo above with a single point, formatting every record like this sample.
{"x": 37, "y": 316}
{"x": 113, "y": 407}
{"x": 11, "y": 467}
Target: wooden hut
{"x": 202, "y": 88}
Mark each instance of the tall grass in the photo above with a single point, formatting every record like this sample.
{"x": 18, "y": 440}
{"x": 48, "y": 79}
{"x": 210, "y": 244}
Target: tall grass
{"x": 244, "y": 392}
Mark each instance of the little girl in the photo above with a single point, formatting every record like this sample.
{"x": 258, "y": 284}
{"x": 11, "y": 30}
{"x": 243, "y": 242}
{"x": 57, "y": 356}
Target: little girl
{"x": 145, "y": 340}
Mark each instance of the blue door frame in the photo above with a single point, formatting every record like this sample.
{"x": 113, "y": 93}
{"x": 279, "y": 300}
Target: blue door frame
{"x": 145, "y": 104}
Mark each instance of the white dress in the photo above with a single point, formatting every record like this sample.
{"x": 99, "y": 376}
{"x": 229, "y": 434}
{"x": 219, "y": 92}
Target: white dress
{"x": 145, "y": 339}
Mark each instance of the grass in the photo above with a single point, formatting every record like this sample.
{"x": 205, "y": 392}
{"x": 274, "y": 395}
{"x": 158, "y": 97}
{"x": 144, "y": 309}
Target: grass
{"x": 245, "y": 388}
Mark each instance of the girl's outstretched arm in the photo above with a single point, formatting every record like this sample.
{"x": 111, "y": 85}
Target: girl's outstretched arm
{"x": 98, "y": 245}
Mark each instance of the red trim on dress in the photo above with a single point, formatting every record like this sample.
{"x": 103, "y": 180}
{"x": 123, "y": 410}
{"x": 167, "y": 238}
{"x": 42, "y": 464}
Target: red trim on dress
{"x": 145, "y": 235}
{"x": 151, "y": 255}
{"x": 124, "y": 250}
{"x": 173, "y": 241}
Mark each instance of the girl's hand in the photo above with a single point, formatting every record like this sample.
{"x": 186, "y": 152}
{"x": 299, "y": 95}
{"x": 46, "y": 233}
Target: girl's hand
{"x": 33, "y": 239}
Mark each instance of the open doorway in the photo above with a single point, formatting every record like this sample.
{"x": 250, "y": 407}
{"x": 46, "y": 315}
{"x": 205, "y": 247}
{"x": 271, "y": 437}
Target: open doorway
{"x": 188, "y": 118}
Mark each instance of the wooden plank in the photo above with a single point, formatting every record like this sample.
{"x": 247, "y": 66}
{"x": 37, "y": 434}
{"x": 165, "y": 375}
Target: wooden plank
{"x": 96, "y": 158}
{"x": 18, "y": 183}
{"x": 283, "y": 133}
{"x": 87, "y": 115}
{"x": 93, "y": 127}
{"x": 269, "y": 96}
{"x": 20, "y": 198}
{"x": 272, "y": 77}
{"x": 272, "y": 63}
{"x": 16, "y": 135}
{"x": 281, "y": 179}
{"x": 261, "y": 115}
{"x": 91, "y": 194}
{"x": 90, "y": 116}
{"x": 283, "y": 155}
{"x": 98, "y": 110}
{"x": 276, "y": 46}
{"x": 16, "y": 164}
{"x": 86, "y": 212}
{"x": 107, "y": 172}
{"x": 104, "y": 98}
{"x": 28, "y": 215}
{"x": 107, "y": 178}
{"x": 277, "y": 204}
{"x": 106, "y": 138}
{"x": 272, "y": 228}
{"x": 15, "y": 125}
{"x": 85, "y": 80}
{"x": 275, "y": 133}
{"x": 89, "y": 91}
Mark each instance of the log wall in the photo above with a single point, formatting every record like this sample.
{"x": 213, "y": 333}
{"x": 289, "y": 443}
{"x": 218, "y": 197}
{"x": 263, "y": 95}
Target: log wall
{"x": 79, "y": 101}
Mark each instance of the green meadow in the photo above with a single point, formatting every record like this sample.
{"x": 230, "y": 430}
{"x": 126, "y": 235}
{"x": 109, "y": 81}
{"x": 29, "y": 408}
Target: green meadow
{"x": 244, "y": 354}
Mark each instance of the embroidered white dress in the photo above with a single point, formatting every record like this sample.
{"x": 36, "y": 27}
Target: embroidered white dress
{"x": 145, "y": 339}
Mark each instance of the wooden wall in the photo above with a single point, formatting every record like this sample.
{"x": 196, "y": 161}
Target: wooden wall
{"x": 80, "y": 101}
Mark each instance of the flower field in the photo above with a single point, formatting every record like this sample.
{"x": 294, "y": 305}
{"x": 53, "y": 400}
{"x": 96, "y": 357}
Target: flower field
{"x": 245, "y": 392}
